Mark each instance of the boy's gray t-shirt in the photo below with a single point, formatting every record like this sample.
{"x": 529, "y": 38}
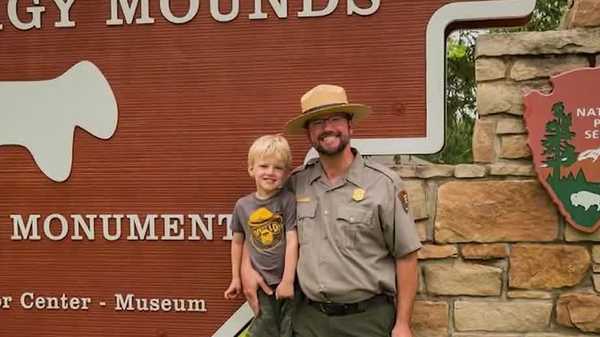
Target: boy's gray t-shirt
{"x": 264, "y": 223}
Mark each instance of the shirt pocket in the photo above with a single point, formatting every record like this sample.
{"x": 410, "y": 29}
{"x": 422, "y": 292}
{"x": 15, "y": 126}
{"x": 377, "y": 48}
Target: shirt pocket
{"x": 306, "y": 214}
{"x": 354, "y": 225}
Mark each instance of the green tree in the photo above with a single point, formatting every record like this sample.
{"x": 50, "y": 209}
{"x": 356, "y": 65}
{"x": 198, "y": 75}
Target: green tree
{"x": 461, "y": 84}
{"x": 547, "y": 15}
{"x": 558, "y": 150}
{"x": 460, "y": 100}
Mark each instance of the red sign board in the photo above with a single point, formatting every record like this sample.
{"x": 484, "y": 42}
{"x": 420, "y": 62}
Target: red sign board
{"x": 564, "y": 136}
{"x": 125, "y": 233}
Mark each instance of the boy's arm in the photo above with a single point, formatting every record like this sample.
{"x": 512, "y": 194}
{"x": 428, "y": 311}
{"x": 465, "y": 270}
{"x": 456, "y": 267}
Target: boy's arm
{"x": 237, "y": 245}
{"x": 235, "y": 287}
{"x": 286, "y": 287}
{"x": 237, "y": 242}
{"x": 291, "y": 256}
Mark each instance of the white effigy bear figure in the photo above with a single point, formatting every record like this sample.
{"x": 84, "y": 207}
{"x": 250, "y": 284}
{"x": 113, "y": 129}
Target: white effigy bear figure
{"x": 585, "y": 199}
{"x": 42, "y": 115}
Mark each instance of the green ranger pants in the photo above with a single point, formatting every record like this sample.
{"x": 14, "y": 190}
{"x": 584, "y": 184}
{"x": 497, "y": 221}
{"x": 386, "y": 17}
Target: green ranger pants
{"x": 275, "y": 317}
{"x": 376, "y": 321}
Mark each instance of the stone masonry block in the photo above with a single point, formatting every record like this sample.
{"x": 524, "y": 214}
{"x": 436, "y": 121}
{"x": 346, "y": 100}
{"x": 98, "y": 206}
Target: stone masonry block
{"x": 510, "y": 126}
{"x": 575, "y": 41}
{"x": 511, "y": 169}
{"x": 539, "y": 266}
{"x": 500, "y": 316}
{"x": 494, "y": 211}
{"x": 545, "y": 66}
{"x": 469, "y": 171}
{"x": 584, "y": 13}
{"x": 484, "y": 141}
{"x": 514, "y": 147}
{"x": 454, "y": 278}
{"x": 487, "y": 68}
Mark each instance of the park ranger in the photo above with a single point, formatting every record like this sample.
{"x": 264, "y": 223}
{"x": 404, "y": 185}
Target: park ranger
{"x": 357, "y": 264}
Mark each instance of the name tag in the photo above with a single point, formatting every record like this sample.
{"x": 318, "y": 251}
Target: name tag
{"x": 302, "y": 199}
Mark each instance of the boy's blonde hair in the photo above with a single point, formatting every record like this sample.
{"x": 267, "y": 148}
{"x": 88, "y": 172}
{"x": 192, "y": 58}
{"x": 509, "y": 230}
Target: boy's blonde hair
{"x": 270, "y": 146}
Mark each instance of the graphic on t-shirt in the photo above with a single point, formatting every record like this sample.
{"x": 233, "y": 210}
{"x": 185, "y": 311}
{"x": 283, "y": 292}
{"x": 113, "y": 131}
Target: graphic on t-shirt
{"x": 266, "y": 228}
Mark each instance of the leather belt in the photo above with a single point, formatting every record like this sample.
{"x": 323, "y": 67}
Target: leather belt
{"x": 342, "y": 309}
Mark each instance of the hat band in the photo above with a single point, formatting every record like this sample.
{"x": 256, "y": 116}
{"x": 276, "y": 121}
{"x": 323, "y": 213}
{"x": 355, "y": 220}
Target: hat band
{"x": 323, "y": 107}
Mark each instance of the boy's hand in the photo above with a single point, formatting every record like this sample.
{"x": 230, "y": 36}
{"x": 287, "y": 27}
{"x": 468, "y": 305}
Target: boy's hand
{"x": 234, "y": 290}
{"x": 284, "y": 290}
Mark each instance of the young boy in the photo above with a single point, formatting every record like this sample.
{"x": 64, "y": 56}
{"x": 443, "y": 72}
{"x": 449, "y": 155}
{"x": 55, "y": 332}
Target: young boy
{"x": 266, "y": 221}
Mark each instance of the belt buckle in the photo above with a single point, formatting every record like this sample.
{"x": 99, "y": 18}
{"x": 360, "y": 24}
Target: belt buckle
{"x": 332, "y": 309}
{"x": 335, "y": 309}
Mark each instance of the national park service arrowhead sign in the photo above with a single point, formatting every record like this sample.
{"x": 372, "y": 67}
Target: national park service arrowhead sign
{"x": 564, "y": 137}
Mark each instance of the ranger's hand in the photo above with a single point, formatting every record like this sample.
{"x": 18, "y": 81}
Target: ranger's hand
{"x": 284, "y": 290}
{"x": 401, "y": 330}
{"x": 251, "y": 280}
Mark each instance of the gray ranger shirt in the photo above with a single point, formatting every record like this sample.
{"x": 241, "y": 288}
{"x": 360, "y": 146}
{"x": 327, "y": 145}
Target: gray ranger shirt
{"x": 351, "y": 233}
{"x": 264, "y": 224}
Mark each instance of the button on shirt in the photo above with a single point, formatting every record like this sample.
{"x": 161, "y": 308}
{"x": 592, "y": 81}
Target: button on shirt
{"x": 350, "y": 232}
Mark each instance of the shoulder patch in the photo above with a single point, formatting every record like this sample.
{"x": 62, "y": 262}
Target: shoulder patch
{"x": 403, "y": 196}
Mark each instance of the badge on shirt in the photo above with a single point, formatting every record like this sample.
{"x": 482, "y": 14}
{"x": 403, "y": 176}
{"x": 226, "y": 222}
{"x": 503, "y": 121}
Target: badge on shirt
{"x": 358, "y": 194}
{"x": 403, "y": 196}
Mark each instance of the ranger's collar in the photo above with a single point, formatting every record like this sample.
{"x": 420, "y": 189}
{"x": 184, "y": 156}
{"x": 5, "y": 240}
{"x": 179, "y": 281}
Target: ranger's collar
{"x": 354, "y": 175}
{"x": 355, "y": 172}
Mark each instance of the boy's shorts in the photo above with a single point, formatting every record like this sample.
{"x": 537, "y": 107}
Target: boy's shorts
{"x": 274, "y": 318}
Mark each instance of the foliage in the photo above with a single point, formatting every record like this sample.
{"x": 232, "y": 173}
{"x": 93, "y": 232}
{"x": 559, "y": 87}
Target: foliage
{"x": 546, "y": 16}
{"x": 461, "y": 84}
{"x": 460, "y": 100}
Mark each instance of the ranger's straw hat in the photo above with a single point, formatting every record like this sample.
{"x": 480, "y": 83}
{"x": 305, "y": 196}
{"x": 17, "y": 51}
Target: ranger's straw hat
{"x": 322, "y": 100}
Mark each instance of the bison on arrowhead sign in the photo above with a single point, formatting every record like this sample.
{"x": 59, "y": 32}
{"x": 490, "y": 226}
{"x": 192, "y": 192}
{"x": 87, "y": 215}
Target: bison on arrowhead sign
{"x": 564, "y": 136}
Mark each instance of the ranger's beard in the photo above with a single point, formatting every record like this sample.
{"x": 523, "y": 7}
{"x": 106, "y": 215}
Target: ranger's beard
{"x": 344, "y": 141}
